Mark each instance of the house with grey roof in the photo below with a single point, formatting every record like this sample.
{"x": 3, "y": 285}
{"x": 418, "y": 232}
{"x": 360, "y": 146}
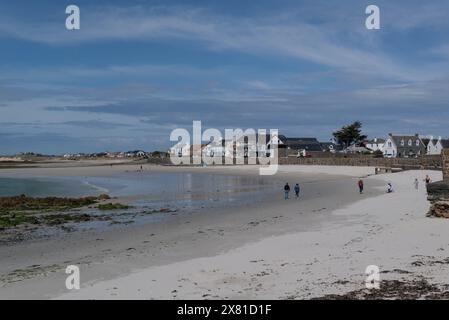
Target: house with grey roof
{"x": 404, "y": 146}
{"x": 297, "y": 146}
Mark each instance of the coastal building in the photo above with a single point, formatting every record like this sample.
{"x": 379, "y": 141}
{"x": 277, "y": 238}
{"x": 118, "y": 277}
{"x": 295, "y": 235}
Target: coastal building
{"x": 136, "y": 154}
{"x": 330, "y": 147}
{"x": 217, "y": 149}
{"x": 403, "y": 146}
{"x": 180, "y": 150}
{"x": 374, "y": 145}
{"x": 435, "y": 146}
{"x": 354, "y": 148}
{"x": 299, "y": 147}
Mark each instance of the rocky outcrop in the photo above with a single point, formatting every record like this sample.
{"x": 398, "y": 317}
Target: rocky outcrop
{"x": 438, "y": 195}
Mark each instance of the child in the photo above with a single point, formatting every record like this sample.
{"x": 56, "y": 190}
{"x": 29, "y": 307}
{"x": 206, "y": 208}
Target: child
{"x": 389, "y": 188}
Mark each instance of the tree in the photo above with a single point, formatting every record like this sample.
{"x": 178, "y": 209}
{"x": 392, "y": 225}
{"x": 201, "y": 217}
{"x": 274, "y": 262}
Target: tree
{"x": 349, "y": 134}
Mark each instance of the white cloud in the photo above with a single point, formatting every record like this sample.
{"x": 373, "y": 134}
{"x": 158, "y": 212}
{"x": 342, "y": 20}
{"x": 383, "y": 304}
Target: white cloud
{"x": 278, "y": 36}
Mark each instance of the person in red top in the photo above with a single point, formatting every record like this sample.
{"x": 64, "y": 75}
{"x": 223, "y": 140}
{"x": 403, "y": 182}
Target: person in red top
{"x": 360, "y": 184}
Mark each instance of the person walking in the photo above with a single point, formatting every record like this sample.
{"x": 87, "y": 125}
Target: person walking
{"x": 297, "y": 189}
{"x": 360, "y": 184}
{"x": 416, "y": 184}
{"x": 286, "y": 190}
{"x": 427, "y": 179}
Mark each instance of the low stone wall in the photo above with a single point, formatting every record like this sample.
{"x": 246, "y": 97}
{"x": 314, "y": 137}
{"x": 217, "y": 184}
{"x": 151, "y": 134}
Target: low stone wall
{"x": 445, "y": 163}
{"x": 427, "y": 162}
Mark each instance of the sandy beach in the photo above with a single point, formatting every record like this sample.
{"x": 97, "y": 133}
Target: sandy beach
{"x": 318, "y": 245}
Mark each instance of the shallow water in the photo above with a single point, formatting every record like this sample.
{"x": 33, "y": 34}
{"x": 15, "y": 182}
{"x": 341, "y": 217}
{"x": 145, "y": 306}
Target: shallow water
{"x": 150, "y": 192}
{"x": 155, "y": 197}
{"x": 45, "y": 187}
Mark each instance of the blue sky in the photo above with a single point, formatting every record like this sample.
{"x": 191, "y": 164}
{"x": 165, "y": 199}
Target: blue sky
{"x": 138, "y": 69}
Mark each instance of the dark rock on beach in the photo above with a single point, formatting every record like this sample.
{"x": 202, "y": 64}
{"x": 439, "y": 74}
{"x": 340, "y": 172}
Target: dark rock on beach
{"x": 438, "y": 195}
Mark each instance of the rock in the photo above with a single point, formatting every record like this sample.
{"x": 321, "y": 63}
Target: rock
{"x": 438, "y": 195}
{"x": 104, "y": 197}
{"x": 439, "y": 209}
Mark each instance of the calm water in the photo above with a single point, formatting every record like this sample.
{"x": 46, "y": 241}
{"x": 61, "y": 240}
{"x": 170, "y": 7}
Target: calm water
{"x": 180, "y": 193}
{"x": 45, "y": 187}
{"x": 182, "y": 188}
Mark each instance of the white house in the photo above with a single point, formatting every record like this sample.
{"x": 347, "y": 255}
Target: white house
{"x": 218, "y": 149}
{"x": 180, "y": 150}
{"x": 403, "y": 146}
{"x": 435, "y": 146}
{"x": 375, "y": 145}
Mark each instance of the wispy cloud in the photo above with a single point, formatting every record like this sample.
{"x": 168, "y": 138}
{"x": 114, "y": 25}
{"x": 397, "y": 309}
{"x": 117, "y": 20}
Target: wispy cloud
{"x": 285, "y": 36}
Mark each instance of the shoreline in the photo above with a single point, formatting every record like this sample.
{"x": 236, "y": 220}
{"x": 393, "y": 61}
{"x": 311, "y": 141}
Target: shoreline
{"x": 115, "y": 255}
{"x": 407, "y": 247}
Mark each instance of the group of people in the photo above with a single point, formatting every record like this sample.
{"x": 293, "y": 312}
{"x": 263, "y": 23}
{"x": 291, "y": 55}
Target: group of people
{"x": 427, "y": 180}
{"x": 287, "y": 190}
{"x": 360, "y": 184}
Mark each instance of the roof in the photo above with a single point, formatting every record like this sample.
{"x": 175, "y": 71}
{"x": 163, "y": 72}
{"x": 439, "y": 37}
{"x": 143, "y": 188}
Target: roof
{"x": 331, "y": 145}
{"x": 354, "y": 148}
{"x": 302, "y": 139}
{"x": 445, "y": 143}
{"x": 398, "y": 138}
{"x": 378, "y": 140}
{"x": 426, "y": 141}
{"x": 309, "y": 144}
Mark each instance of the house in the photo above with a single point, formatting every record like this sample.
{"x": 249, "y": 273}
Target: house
{"x": 116, "y": 155}
{"x": 354, "y": 148}
{"x": 403, "y": 146}
{"x": 375, "y": 145}
{"x": 435, "y": 146}
{"x": 180, "y": 150}
{"x": 136, "y": 154}
{"x": 330, "y": 147}
{"x": 296, "y": 146}
{"x": 217, "y": 149}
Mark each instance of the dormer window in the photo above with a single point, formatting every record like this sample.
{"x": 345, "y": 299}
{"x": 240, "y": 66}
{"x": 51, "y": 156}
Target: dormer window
{"x": 417, "y": 143}
{"x": 402, "y": 142}
{"x": 410, "y": 142}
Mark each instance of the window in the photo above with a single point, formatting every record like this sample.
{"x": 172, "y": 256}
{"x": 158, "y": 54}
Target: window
{"x": 402, "y": 142}
{"x": 389, "y": 144}
{"x": 417, "y": 143}
{"x": 410, "y": 142}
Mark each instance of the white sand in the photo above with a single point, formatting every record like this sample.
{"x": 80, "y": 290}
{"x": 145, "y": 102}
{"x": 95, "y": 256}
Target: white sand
{"x": 390, "y": 231}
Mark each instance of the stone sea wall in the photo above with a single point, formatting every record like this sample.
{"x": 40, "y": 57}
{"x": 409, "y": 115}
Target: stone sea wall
{"x": 445, "y": 163}
{"x": 426, "y": 162}
{"x": 438, "y": 192}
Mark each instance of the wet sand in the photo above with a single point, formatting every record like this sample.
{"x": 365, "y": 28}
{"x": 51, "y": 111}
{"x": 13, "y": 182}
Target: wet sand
{"x": 224, "y": 253}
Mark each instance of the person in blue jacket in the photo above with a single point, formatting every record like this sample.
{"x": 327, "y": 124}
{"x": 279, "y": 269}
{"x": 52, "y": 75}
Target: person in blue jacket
{"x": 297, "y": 189}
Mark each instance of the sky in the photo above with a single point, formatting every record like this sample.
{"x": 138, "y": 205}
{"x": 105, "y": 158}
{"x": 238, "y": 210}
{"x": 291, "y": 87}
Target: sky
{"x": 136, "y": 70}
